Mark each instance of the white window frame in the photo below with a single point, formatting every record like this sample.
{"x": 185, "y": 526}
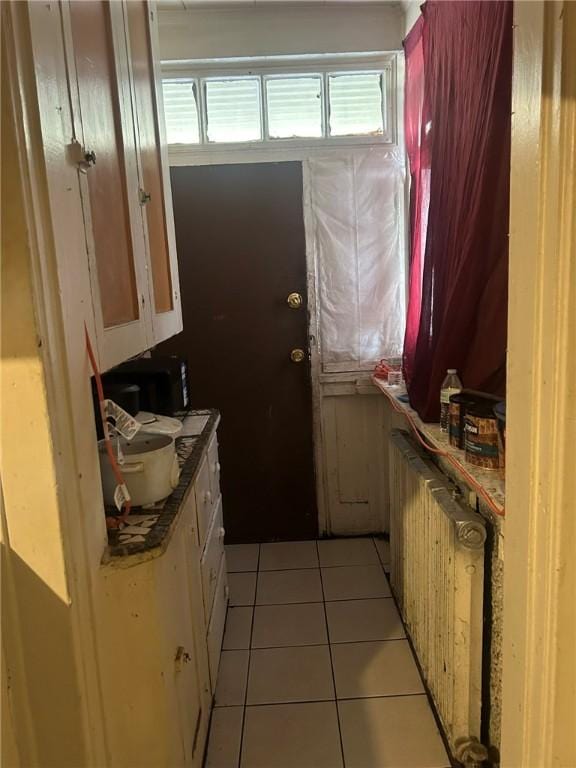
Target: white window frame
{"x": 323, "y": 65}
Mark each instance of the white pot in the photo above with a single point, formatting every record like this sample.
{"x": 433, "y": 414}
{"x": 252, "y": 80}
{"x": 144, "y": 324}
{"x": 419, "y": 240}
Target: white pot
{"x": 150, "y": 469}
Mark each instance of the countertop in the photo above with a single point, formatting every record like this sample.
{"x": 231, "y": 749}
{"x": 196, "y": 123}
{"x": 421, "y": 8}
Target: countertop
{"x": 149, "y": 529}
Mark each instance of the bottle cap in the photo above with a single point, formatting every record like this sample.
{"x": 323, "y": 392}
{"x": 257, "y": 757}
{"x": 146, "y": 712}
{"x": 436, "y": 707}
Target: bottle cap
{"x": 452, "y": 370}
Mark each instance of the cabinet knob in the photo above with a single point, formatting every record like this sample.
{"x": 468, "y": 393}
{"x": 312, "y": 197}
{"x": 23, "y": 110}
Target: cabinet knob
{"x": 208, "y": 497}
{"x": 216, "y": 467}
{"x": 145, "y": 197}
{"x": 222, "y": 532}
{"x": 90, "y": 157}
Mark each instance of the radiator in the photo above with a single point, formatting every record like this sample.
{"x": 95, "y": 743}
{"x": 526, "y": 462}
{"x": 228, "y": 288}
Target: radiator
{"x": 437, "y": 573}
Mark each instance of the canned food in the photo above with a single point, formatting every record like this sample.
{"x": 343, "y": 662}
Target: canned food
{"x": 456, "y": 413}
{"x": 481, "y": 435}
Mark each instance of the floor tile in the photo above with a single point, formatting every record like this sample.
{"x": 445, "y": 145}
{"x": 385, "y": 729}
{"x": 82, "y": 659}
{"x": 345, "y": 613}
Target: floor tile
{"x": 281, "y": 555}
{"x": 392, "y": 732}
{"x": 383, "y": 547}
{"x": 383, "y": 668}
{"x": 225, "y": 738}
{"x": 242, "y": 588}
{"x": 242, "y": 557}
{"x": 238, "y": 629}
{"x": 284, "y": 625}
{"x": 295, "y": 586}
{"x": 232, "y": 678}
{"x": 347, "y": 552}
{"x": 292, "y": 736}
{"x": 352, "y": 621}
{"x": 353, "y": 582}
{"x": 290, "y": 674}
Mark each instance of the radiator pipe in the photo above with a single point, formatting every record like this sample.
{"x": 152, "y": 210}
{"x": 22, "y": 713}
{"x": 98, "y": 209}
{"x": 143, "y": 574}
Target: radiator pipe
{"x": 470, "y": 752}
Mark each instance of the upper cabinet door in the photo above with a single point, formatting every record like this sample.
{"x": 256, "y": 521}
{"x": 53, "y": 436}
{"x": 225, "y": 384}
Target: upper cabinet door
{"x": 104, "y": 127}
{"x": 154, "y": 172}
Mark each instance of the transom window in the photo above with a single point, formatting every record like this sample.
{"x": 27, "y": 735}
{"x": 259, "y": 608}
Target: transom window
{"x": 266, "y": 107}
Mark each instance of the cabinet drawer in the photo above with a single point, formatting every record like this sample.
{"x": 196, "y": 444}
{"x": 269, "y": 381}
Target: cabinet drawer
{"x": 189, "y": 516}
{"x": 204, "y": 501}
{"x": 214, "y": 466}
{"x": 217, "y": 621}
{"x": 211, "y": 560}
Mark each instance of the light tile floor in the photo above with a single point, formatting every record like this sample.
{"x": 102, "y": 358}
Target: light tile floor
{"x": 316, "y": 671}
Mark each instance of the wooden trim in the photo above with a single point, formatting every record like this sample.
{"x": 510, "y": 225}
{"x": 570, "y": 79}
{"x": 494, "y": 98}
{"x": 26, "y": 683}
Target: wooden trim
{"x": 60, "y": 289}
{"x": 539, "y": 692}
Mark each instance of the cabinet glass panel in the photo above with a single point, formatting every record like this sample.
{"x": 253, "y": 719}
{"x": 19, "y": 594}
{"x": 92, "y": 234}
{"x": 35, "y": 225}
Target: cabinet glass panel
{"x": 102, "y": 128}
{"x": 149, "y": 141}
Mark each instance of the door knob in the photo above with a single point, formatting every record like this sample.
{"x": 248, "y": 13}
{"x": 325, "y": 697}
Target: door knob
{"x": 294, "y": 301}
{"x": 297, "y": 355}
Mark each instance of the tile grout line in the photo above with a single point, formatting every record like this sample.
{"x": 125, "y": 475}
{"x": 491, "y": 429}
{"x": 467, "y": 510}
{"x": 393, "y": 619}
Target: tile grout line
{"x": 331, "y": 661}
{"x": 313, "y": 602}
{"x": 319, "y": 645}
{"x": 330, "y": 701}
{"x": 382, "y": 564}
{"x": 249, "y": 664}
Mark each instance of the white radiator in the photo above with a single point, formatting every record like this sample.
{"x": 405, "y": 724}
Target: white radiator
{"x": 437, "y": 573}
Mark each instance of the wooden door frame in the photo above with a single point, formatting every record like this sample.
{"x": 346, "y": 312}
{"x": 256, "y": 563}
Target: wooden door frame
{"x": 539, "y": 691}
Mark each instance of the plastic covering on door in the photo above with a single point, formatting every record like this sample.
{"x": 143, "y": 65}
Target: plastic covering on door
{"x": 357, "y": 215}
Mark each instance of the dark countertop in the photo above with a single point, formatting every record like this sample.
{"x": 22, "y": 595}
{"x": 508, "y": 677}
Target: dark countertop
{"x": 150, "y": 529}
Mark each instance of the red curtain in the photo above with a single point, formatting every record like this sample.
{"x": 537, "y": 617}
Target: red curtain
{"x": 467, "y": 58}
{"x": 418, "y": 152}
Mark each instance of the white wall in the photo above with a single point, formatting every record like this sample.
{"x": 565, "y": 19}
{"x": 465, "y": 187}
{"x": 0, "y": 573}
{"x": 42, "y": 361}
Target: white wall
{"x": 411, "y": 13}
{"x": 266, "y": 31}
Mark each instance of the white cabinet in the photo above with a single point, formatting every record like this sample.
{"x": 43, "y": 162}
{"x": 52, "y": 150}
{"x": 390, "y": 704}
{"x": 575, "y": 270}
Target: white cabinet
{"x": 120, "y": 149}
{"x": 154, "y": 660}
{"x": 213, "y": 559}
{"x": 161, "y": 624}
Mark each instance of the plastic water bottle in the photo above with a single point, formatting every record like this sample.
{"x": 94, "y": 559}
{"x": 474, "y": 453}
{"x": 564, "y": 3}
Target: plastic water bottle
{"x": 450, "y": 386}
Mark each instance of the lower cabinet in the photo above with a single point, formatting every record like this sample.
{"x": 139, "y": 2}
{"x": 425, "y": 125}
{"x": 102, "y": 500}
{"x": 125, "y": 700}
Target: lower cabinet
{"x": 161, "y": 623}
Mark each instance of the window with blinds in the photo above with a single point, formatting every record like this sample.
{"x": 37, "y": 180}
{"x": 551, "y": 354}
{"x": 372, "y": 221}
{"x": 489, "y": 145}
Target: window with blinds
{"x": 356, "y": 104}
{"x": 271, "y": 107}
{"x": 294, "y": 107}
{"x": 181, "y": 111}
{"x": 233, "y": 110}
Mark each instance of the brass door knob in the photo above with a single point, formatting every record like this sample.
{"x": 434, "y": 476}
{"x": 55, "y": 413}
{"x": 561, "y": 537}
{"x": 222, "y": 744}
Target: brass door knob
{"x": 297, "y": 355}
{"x": 294, "y": 301}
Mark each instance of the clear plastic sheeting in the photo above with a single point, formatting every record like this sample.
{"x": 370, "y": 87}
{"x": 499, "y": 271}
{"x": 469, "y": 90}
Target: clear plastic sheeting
{"x": 357, "y": 218}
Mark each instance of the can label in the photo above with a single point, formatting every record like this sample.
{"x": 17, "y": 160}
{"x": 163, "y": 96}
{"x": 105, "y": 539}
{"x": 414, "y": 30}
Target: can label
{"x": 481, "y": 442}
{"x": 455, "y": 426}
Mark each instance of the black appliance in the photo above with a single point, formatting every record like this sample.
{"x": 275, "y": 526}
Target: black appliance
{"x": 162, "y": 381}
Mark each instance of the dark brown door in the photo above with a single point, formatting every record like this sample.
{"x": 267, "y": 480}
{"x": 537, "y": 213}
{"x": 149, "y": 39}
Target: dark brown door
{"x": 241, "y": 252}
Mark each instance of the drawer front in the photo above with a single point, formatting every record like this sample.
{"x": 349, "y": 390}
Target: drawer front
{"x": 204, "y": 501}
{"x": 214, "y": 466}
{"x": 211, "y": 560}
{"x": 217, "y": 621}
{"x": 189, "y": 516}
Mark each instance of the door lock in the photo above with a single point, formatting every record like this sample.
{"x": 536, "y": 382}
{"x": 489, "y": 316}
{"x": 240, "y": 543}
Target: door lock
{"x": 294, "y": 300}
{"x": 297, "y": 355}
